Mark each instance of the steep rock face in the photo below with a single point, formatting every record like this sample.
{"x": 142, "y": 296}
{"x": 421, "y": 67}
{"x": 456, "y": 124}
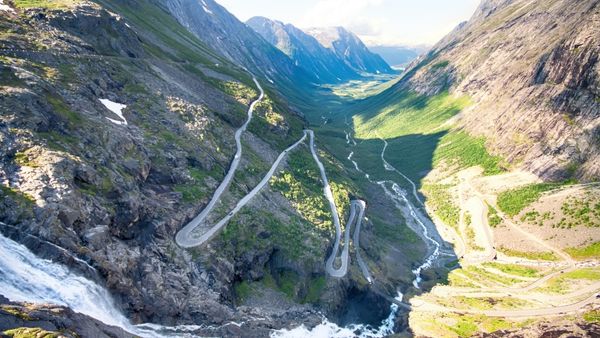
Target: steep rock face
{"x": 304, "y": 49}
{"x": 348, "y": 47}
{"x": 53, "y": 320}
{"x": 106, "y": 199}
{"x": 532, "y": 71}
{"x": 218, "y": 28}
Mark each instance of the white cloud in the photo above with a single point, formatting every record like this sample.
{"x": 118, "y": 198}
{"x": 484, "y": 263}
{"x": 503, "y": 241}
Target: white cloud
{"x": 354, "y": 15}
{"x": 388, "y": 22}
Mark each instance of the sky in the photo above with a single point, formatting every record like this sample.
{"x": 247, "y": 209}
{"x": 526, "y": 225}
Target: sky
{"x": 376, "y": 22}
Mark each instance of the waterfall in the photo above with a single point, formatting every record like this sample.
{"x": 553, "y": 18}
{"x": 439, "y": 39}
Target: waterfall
{"x": 24, "y": 277}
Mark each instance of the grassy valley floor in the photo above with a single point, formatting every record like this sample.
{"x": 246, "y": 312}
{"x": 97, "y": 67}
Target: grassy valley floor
{"x": 524, "y": 250}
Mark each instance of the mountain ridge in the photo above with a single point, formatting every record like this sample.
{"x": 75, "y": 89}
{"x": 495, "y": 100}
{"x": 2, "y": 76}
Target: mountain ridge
{"x": 348, "y": 47}
{"x": 213, "y": 24}
{"x": 559, "y": 66}
{"x": 333, "y": 55}
{"x": 304, "y": 49}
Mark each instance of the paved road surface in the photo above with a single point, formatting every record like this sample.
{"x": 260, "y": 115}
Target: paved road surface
{"x": 193, "y": 241}
{"x": 517, "y": 313}
{"x": 187, "y": 239}
{"x": 356, "y": 242}
{"x": 184, "y": 236}
{"x": 343, "y": 269}
{"x": 390, "y": 167}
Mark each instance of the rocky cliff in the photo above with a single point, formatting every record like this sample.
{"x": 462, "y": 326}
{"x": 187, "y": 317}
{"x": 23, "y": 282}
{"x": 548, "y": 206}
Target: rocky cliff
{"x": 304, "y": 49}
{"x": 531, "y": 70}
{"x": 348, "y": 47}
{"x": 29, "y": 320}
{"x": 104, "y": 190}
{"x": 79, "y": 185}
{"x": 224, "y": 33}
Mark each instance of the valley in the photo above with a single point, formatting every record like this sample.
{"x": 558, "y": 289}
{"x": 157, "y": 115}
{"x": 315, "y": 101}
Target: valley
{"x": 518, "y": 282}
{"x": 170, "y": 171}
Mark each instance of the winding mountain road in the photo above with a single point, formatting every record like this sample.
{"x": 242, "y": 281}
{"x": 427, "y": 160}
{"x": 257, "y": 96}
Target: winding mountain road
{"x": 471, "y": 204}
{"x": 184, "y": 237}
{"x": 189, "y": 237}
{"x": 513, "y": 313}
{"x": 428, "y": 230}
{"x": 343, "y": 269}
{"x": 508, "y": 220}
{"x": 356, "y": 241}
{"x": 357, "y": 221}
{"x": 192, "y": 241}
{"x": 390, "y": 167}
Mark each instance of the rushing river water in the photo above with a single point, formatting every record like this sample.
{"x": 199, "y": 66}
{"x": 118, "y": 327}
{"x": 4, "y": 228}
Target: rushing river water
{"x": 328, "y": 329}
{"x": 399, "y": 197}
{"x": 25, "y": 277}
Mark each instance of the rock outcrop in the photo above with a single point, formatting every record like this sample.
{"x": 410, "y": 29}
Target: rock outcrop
{"x": 106, "y": 198}
{"x": 38, "y": 320}
{"x": 531, "y": 69}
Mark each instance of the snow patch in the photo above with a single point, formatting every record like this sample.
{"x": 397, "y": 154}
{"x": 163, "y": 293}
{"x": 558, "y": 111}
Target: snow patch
{"x": 206, "y": 9}
{"x": 116, "y": 108}
{"x": 5, "y": 8}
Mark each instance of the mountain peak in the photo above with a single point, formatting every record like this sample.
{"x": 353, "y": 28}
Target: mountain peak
{"x": 332, "y": 54}
{"x": 348, "y": 46}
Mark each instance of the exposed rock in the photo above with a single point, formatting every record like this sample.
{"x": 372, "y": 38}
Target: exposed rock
{"x": 348, "y": 47}
{"x": 107, "y": 200}
{"x": 304, "y": 49}
{"x": 56, "y": 319}
{"x": 532, "y": 71}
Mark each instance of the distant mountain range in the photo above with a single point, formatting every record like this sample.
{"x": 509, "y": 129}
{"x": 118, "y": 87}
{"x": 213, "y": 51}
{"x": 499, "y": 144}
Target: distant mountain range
{"x": 398, "y": 56}
{"x": 329, "y": 54}
{"x": 223, "y": 32}
{"x": 348, "y": 47}
{"x": 306, "y": 51}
